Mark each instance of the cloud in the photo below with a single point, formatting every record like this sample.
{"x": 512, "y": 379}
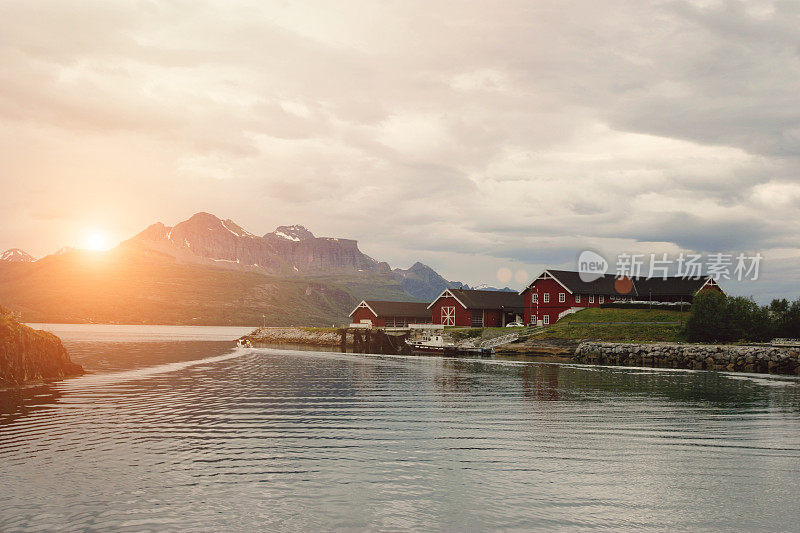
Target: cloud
{"x": 475, "y": 137}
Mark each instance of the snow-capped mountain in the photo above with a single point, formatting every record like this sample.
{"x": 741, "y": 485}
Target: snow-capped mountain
{"x": 15, "y": 255}
{"x": 295, "y": 233}
{"x": 487, "y": 287}
{"x": 289, "y": 249}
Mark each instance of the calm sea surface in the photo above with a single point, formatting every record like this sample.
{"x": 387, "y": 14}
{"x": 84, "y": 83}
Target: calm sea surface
{"x": 176, "y": 429}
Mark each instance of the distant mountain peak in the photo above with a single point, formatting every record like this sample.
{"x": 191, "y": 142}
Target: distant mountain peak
{"x": 15, "y": 255}
{"x": 293, "y": 249}
{"x": 295, "y": 233}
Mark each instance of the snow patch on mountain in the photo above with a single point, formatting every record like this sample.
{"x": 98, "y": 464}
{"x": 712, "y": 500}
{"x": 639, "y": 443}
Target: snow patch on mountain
{"x": 238, "y": 231}
{"x": 295, "y": 233}
{"x": 15, "y": 255}
{"x": 290, "y": 237}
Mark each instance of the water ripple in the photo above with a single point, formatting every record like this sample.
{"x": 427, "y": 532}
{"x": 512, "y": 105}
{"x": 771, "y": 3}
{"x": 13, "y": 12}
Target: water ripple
{"x": 195, "y": 435}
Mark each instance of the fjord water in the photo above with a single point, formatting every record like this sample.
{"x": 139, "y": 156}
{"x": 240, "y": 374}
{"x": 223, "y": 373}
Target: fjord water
{"x": 178, "y": 429}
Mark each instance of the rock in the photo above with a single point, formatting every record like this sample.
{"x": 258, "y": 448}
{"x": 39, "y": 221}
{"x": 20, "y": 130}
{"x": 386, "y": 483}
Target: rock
{"x": 760, "y": 359}
{"x": 28, "y": 355}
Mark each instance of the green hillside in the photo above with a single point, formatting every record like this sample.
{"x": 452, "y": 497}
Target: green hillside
{"x": 128, "y": 285}
{"x": 617, "y": 325}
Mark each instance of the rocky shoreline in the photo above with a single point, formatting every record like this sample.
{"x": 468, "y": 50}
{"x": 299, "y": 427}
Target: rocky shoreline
{"x": 30, "y": 356}
{"x": 728, "y": 358}
{"x": 309, "y": 336}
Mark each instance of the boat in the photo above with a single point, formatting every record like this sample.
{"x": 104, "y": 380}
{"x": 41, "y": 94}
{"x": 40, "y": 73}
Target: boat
{"x": 435, "y": 344}
{"x": 431, "y": 343}
{"x": 244, "y": 343}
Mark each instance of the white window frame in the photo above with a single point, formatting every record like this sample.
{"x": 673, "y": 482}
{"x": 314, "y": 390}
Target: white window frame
{"x": 546, "y": 298}
{"x": 449, "y": 316}
{"x": 562, "y": 297}
{"x": 577, "y": 298}
{"x": 601, "y": 299}
{"x": 546, "y": 320}
{"x": 591, "y": 299}
{"x": 534, "y": 298}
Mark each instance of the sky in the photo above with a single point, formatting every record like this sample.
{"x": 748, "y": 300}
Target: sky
{"x": 486, "y": 139}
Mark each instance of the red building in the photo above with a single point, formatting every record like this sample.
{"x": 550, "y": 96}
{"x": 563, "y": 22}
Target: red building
{"x": 556, "y": 293}
{"x": 390, "y": 314}
{"x": 473, "y": 308}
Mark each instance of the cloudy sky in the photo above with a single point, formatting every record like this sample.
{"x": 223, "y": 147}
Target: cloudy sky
{"x": 473, "y": 136}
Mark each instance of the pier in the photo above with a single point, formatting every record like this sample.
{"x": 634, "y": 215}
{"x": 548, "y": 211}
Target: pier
{"x": 375, "y": 340}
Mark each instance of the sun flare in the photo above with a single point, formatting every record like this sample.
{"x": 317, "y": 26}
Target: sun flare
{"x": 95, "y": 241}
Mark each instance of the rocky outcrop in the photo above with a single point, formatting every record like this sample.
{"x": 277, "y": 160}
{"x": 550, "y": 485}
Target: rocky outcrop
{"x": 730, "y": 358}
{"x": 310, "y": 336}
{"x": 28, "y": 355}
{"x": 564, "y": 348}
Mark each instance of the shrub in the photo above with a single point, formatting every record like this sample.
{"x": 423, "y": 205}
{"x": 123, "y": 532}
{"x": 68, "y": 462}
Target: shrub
{"x": 718, "y": 318}
{"x": 786, "y": 318}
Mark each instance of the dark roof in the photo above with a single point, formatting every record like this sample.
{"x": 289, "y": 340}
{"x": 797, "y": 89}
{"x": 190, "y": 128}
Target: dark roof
{"x": 475, "y": 299}
{"x": 404, "y": 309}
{"x": 642, "y": 287}
{"x": 668, "y": 286}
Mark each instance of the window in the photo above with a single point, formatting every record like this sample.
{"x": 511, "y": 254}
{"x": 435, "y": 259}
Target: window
{"x": 577, "y": 298}
{"x": 547, "y": 297}
{"x": 591, "y": 299}
{"x": 546, "y": 319}
{"x": 448, "y": 316}
{"x": 534, "y": 298}
{"x": 562, "y": 297}
{"x": 477, "y": 319}
{"x": 602, "y": 299}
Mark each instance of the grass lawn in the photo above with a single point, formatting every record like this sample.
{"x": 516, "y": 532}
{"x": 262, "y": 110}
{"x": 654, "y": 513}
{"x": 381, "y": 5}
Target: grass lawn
{"x": 598, "y": 324}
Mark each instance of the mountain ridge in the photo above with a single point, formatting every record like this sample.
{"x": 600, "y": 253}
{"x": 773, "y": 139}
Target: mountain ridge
{"x": 210, "y": 271}
{"x": 208, "y": 239}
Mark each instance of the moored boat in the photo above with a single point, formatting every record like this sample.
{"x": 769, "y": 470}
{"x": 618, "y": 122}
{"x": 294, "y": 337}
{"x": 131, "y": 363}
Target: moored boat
{"x": 435, "y": 344}
{"x": 431, "y": 344}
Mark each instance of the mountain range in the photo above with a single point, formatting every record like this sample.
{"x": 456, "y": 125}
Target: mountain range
{"x": 206, "y": 270}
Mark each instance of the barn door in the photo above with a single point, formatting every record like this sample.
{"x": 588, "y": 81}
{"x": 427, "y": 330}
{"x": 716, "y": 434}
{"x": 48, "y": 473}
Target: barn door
{"x": 448, "y": 316}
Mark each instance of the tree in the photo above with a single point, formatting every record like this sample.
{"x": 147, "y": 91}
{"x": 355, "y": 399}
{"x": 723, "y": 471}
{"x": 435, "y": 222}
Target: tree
{"x": 703, "y": 323}
{"x": 786, "y": 318}
{"x": 718, "y": 318}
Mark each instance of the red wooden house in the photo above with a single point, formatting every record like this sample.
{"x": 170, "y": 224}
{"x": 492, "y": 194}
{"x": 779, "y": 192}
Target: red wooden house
{"x": 380, "y": 313}
{"x": 556, "y": 293}
{"x": 474, "y": 308}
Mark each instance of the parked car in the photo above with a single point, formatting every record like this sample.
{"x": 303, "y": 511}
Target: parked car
{"x": 515, "y": 325}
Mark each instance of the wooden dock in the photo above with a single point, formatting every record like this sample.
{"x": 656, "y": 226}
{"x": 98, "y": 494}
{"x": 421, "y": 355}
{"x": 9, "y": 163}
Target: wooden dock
{"x": 375, "y": 340}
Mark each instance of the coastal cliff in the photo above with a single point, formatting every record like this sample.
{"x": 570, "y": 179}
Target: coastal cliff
{"x": 28, "y": 355}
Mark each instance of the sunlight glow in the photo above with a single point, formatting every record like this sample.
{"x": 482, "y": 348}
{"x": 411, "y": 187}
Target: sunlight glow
{"x": 95, "y": 241}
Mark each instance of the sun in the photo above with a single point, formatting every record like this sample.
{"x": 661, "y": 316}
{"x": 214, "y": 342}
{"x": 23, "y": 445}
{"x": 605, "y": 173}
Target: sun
{"x": 95, "y": 240}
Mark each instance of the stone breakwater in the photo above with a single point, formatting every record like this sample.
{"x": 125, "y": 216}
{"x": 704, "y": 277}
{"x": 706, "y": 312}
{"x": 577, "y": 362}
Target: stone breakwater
{"x": 311, "y": 336}
{"x": 758, "y": 359}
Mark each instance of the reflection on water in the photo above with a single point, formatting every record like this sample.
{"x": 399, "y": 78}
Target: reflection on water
{"x": 196, "y": 434}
